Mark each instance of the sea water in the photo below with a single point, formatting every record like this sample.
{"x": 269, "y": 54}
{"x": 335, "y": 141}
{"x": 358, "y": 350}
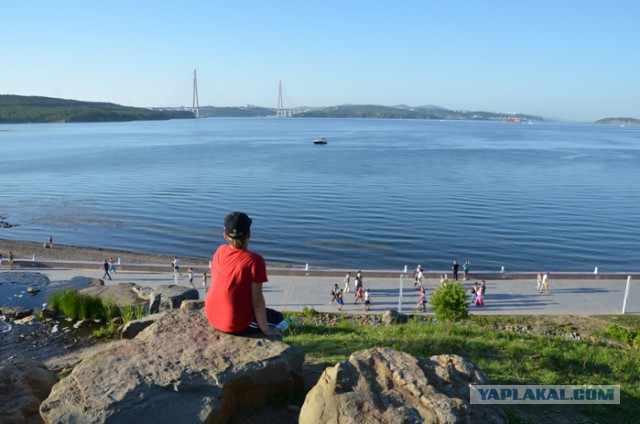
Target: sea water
{"x": 380, "y": 194}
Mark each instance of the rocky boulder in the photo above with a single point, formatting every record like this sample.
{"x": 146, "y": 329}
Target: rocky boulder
{"x": 177, "y": 370}
{"x": 122, "y": 293}
{"x": 24, "y": 384}
{"x": 171, "y": 296}
{"x": 12, "y": 313}
{"x": 393, "y": 317}
{"x": 382, "y": 385}
{"x": 134, "y": 327}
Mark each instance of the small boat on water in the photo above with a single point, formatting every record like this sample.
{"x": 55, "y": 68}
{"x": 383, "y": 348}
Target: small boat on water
{"x": 320, "y": 140}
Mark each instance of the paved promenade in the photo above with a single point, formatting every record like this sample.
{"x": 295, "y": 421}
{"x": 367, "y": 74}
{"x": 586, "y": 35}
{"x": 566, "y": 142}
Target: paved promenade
{"x": 506, "y": 294}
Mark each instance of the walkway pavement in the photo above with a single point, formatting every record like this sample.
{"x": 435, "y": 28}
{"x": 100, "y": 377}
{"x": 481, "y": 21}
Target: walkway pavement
{"x": 585, "y": 295}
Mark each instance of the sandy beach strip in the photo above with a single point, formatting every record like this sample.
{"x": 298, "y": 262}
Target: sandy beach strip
{"x": 59, "y": 252}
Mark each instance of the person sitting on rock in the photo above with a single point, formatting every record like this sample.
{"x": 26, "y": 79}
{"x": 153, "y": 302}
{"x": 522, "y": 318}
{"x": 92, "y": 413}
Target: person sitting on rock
{"x": 235, "y": 303}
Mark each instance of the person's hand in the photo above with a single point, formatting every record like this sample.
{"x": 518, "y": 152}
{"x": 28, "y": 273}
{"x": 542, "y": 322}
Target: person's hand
{"x": 274, "y": 331}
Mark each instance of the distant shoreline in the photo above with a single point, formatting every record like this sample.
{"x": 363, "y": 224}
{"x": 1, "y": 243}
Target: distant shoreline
{"x": 27, "y": 249}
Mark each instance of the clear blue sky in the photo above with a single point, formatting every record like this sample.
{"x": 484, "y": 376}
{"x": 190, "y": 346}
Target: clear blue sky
{"x": 573, "y": 60}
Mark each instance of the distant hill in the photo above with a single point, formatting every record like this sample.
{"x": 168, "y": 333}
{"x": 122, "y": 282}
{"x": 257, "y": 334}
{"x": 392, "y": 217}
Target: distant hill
{"x": 619, "y": 121}
{"x": 34, "y": 109}
{"x": 235, "y": 112}
{"x": 406, "y": 112}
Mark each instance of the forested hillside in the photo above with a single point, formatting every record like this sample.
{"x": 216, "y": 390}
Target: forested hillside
{"x": 35, "y": 109}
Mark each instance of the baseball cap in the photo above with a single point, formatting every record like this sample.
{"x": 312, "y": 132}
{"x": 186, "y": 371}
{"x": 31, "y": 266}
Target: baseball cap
{"x": 237, "y": 224}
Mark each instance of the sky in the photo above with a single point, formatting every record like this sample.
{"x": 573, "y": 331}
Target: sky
{"x": 562, "y": 59}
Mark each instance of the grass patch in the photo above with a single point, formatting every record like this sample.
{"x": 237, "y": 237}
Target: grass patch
{"x": 506, "y": 357}
{"x": 77, "y": 305}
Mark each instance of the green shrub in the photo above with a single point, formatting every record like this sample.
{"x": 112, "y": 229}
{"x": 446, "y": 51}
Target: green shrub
{"x": 127, "y": 312}
{"x": 110, "y": 309}
{"x": 108, "y": 332}
{"x": 77, "y": 305}
{"x": 138, "y": 311}
{"x": 450, "y": 301}
{"x": 625, "y": 335}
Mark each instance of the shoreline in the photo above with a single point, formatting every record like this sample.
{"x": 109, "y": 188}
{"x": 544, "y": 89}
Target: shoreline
{"x": 87, "y": 257}
{"x": 26, "y": 250}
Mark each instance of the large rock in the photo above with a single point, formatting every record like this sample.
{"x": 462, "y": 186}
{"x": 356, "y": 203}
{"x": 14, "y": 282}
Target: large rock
{"x": 24, "y": 384}
{"x": 177, "y": 370}
{"x": 134, "y": 327}
{"x": 391, "y": 317}
{"x": 171, "y": 296}
{"x": 13, "y": 313}
{"x": 122, "y": 294}
{"x": 383, "y": 385}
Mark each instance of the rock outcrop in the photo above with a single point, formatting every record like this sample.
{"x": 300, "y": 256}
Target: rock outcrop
{"x": 169, "y": 296}
{"x": 391, "y": 317}
{"x": 382, "y": 385}
{"x": 122, "y": 293}
{"x": 177, "y": 370}
{"x": 13, "y": 313}
{"x": 24, "y": 383}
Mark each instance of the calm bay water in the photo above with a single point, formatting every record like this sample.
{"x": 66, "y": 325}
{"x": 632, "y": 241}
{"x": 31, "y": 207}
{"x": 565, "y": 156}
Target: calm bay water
{"x": 379, "y": 195}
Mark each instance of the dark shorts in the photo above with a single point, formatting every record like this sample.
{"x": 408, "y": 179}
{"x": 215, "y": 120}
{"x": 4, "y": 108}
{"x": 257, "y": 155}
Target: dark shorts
{"x": 273, "y": 319}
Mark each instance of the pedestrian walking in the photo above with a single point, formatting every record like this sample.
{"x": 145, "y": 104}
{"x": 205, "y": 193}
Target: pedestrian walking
{"x": 334, "y": 293}
{"x": 474, "y": 292}
{"x": 422, "y": 300}
{"x": 415, "y": 275}
{"x": 545, "y": 283}
{"x": 366, "y": 306}
{"x": 340, "y": 300}
{"x": 481, "y": 294}
{"x": 190, "y": 276}
{"x": 204, "y": 281}
{"x": 455, "y": 267}
{"x": 105, "y": 265}
{"x": 359, "y": 295}
{"x": 112, "y": 266}
{"x": 539, "y": 281}
{"x": 347, "y": 281}
{"x": 359, "y": 284}
{"x": 419, "y": 279}
{"x": 11, "y": 260}
{"x": 176, "y": 265}
{"x": 465, "y": 268}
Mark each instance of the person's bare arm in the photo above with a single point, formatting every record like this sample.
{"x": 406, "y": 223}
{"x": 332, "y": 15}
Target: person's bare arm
{"x": 260, "y": 311}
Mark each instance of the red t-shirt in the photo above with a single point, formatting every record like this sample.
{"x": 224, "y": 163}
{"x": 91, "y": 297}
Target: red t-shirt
{"x": 228, "y": 305}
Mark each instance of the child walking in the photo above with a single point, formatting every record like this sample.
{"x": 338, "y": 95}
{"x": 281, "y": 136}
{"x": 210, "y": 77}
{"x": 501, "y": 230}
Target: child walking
{"x": 366, "y": 306}
{"x": 204, "y": 280}
{"x": 422, "y": 300}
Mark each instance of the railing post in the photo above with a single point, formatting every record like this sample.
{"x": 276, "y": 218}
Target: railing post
{"x": 626, "y": 295}
{"x": 400, "y": 295}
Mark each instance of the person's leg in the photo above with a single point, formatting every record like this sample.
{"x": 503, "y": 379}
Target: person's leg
{"x": 274, "y": 317}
